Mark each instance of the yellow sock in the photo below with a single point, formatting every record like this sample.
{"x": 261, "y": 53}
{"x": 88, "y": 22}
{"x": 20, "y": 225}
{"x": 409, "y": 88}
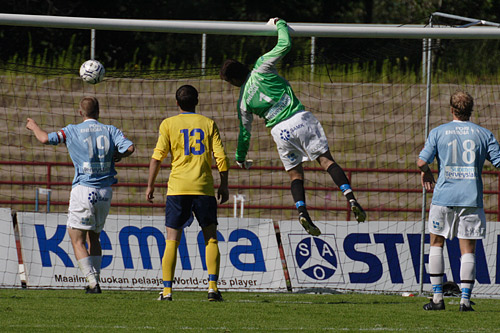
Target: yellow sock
{"x": 213, "y": 262}
{"x": 168, "y": 265}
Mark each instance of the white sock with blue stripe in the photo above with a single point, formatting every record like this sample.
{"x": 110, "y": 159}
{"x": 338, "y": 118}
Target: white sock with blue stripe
{"x": 467, "y": 276}
{"x": 436, "y": 272}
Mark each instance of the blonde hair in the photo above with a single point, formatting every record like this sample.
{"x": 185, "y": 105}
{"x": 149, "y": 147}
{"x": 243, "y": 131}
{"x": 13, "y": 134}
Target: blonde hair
{"x": 462, "y": 103}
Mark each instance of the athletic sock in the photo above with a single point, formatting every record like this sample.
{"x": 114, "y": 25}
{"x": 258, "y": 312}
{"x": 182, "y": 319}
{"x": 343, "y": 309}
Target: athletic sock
{"x": 168, "y": 265}
{"x": 467, "y": 276}
{"x": 436, "y": 272}
{"x": 340, "y": 179}
{"x": 96, "y": 263}
{"x": 299, "y": 194}
{"x": 212, "y": 258}
{"x": 87, "y": 269}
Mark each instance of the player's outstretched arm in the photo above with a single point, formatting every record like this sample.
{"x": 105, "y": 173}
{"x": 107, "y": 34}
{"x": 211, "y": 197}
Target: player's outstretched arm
{"x": 223, "y": 191}
{"x": 40, "y": 134}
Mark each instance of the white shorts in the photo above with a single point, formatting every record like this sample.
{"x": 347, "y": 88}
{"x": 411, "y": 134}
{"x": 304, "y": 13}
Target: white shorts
{"x": 89, "y": 207}
{"x": 462, "y": 222}
{"x": 299, "y": 138}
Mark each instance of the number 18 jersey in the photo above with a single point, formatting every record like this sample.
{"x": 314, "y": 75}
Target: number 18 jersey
{"x": 461, "y": 148}
{"x": 191, "y": 139}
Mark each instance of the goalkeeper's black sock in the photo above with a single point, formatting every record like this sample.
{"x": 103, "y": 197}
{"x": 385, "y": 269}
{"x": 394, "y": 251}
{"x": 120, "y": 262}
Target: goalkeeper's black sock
{"x": 299, "y": 195}
{"x": 340, "y": 179}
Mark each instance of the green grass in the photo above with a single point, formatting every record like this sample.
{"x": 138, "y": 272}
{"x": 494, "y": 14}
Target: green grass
{"x": 131, "y": 311}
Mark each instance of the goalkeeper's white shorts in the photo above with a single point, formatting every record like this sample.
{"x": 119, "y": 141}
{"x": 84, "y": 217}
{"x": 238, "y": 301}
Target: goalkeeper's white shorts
{"x": 89, "y": 207}
{"x": 299, "y": 138}
{"x": 461, "y": 222}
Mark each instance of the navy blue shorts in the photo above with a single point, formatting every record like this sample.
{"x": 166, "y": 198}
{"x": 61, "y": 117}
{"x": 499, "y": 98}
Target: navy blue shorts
{"x": 179, "y": 210}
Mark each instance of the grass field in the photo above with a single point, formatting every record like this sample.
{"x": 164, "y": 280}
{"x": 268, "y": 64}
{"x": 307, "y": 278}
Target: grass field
{"x": 131, "y": 311}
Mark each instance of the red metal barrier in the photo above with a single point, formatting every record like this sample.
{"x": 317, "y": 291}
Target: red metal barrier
{"x": 349, "y": 171}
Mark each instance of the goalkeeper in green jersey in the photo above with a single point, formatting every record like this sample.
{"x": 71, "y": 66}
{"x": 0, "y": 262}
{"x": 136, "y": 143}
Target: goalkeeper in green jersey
{"x": 298, "y": 134}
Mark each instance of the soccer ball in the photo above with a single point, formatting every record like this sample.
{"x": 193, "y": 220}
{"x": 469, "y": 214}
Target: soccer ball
{"x": 92, "y": 71}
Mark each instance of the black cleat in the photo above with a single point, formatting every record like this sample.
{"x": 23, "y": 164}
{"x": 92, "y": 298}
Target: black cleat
{"x": 359, "y": 212}
{"x": 214, "y": 296}
{"x": 434, "y": 306}
{"x": 464, "y": 307}
{"x": 307, "y": 223}
{"x": 95, "y": 290}
{"x": 164, "y": 298}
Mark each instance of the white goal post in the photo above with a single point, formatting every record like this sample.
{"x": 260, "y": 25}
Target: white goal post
{"x": 251, "y": 28}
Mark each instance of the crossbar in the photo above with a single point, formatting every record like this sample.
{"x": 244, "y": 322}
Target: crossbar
{"x": 251, "y": 28}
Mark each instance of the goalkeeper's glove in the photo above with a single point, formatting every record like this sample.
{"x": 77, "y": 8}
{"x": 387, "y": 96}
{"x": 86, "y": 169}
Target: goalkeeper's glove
{"x": 273, "y": 21}
{"x": 245, "y": 164}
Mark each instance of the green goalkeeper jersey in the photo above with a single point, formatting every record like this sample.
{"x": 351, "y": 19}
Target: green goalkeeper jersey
{"x": 265, "y": 93}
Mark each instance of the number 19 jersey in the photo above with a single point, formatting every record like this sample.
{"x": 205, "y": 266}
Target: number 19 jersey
{"x": 191, "y": 139}
{"x": 461, "y": 148}
{"x": 91, "y": 146}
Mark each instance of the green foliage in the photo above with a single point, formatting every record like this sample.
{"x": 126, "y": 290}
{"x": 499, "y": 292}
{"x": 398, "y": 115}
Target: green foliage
{"x": 154, "y": 51}
{"x": 132, "y": 311}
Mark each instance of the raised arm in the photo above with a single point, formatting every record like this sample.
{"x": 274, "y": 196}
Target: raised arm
{"x": 283, "y": 46}
{"x": 40, "y": 134}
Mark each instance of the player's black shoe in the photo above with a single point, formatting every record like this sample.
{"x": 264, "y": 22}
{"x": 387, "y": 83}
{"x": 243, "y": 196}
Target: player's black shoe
{"x": 359, "y": 212}
{"x": 434, "y": 306}
{"x": 214, "y": 296}
{"x": 464, "y": 307}
{"x": 307, "y": 223}
{"x": 95, "y": 290}
{"x": 164, "y": 298}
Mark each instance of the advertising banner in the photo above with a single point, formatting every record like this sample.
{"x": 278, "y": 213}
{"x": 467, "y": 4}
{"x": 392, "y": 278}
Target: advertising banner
{"x": 134, "y": 245}
{"x": 379, "y": 256}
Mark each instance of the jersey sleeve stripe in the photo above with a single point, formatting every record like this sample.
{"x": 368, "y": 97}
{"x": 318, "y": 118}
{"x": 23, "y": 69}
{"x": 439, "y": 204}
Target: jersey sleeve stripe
{"x": 62, "y": 136}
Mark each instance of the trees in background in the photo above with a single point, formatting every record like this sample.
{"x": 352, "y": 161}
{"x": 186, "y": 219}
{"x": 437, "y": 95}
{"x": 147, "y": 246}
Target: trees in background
{"x": 117, "y": 49}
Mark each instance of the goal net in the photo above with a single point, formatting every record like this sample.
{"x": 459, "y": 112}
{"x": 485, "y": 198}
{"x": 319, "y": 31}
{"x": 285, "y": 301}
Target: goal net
{"x": 373, "y": 110}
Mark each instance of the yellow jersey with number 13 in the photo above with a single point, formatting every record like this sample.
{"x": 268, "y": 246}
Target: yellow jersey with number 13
{"x": 191, "y": 139}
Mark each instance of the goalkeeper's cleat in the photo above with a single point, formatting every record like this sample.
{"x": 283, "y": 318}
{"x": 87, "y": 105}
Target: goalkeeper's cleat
{"x": 164, "y": 298}
{"x": 434, "y": 306}
{"x": 307, "y": 223}
{"x": 359, "y": 212}
{"x": 95, "y": 290}
{"x": 214, "y": 296}
{"x": 464, "y": 307}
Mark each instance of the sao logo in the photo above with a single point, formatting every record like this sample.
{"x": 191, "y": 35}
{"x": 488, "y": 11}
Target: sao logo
{"x": 316, "y": 258}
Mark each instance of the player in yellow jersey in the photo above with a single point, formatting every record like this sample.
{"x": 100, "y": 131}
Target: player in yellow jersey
{"x": 191, "y": 139}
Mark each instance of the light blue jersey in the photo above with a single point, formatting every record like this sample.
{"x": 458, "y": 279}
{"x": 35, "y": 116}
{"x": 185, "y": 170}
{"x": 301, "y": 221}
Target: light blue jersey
{"x": 461, "y": 148}
{"x": 91, "y": 146}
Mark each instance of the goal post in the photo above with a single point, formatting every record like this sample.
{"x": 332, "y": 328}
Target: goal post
{"x": 250, "y": 28}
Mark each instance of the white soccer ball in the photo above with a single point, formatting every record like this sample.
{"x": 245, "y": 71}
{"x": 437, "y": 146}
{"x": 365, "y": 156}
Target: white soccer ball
{"x": 92, "y": 71}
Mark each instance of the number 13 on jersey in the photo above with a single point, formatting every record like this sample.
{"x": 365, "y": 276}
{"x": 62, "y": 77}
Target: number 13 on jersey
{"x": 198, "y": 148}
